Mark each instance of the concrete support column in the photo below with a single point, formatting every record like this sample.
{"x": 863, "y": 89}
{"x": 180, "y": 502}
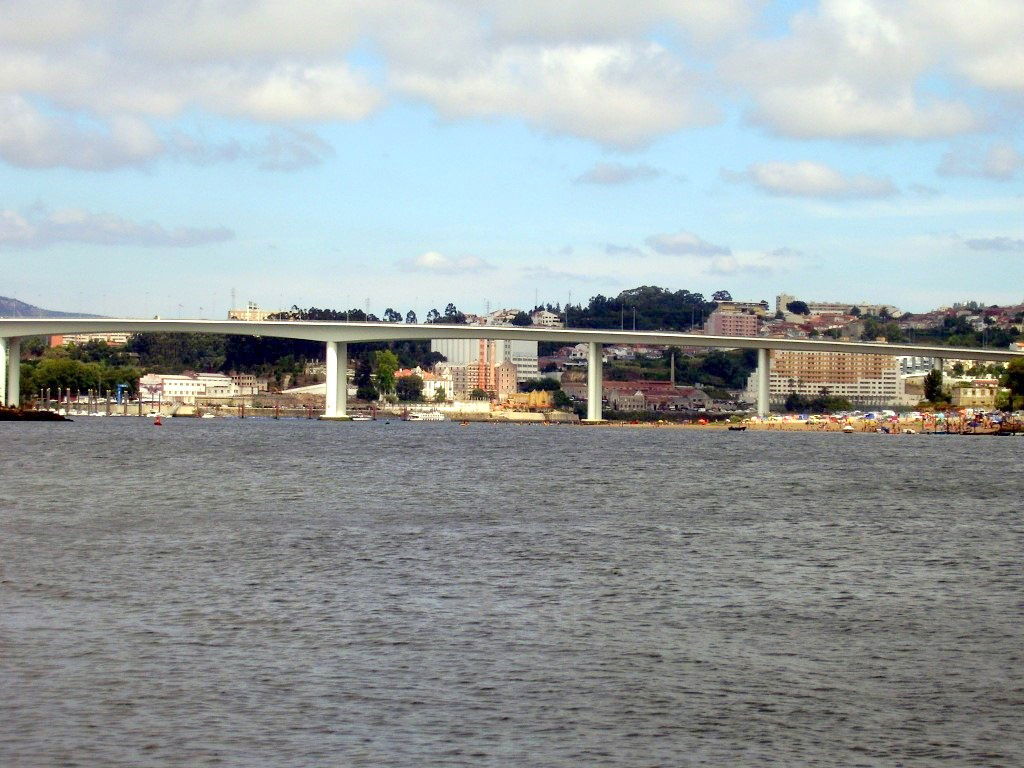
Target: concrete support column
{"x": 595, "y": 376}
{"x": 13, "y": 392}
{"x": 337, "y": 381}
{"x": 4, "y": 344}
{"x": 763, "y": 371}
{"x": 938, "y": 363}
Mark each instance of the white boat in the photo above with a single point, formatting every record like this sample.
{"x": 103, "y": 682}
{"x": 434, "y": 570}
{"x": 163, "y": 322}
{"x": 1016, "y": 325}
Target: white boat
{"x": 208, "y": 416}
{"x": 362, "y": 417}
{"x": 426, "y": 416}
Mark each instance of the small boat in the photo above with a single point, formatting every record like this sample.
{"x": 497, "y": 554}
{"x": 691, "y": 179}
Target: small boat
{"x": 157, "y": 422}
{"x": 737, "y": 427}
{"x": 426, "y": 416}
{"x": 848, "y": 428}
{"x": 208, "y": 416}
{"x": 362, "y": 417}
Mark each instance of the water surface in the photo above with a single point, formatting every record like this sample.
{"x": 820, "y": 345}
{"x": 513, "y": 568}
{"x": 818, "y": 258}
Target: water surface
{"x": 295, "y": 593}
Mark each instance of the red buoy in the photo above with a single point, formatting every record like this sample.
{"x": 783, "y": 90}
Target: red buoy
{"x": 157, "y": 422}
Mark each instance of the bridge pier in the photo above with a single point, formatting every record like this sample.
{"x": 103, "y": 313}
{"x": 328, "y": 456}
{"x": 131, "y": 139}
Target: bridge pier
{"x": 10, "y": 372}
{"x": 595, "y": 377}
{"x": 336, "y": 405}
{"x": 763, "y": 372}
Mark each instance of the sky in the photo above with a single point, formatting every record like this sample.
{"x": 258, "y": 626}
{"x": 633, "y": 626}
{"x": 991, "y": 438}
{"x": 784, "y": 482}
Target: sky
{"x": 160, "y": 158}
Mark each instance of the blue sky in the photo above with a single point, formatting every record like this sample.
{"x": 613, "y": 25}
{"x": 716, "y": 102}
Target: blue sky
{"x": 408, "y": 154}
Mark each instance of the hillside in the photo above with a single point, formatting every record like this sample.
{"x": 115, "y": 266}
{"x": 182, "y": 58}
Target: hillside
{"x": 13, "y": 308}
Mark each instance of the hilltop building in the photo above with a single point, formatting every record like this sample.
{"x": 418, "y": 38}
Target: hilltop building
{"x": 546, "y": 319}
{"x": 727, "y": 323}
{"x": 835, "y": 307}
{"x": 114, "y": 339}
{"x": 251, "y": 313}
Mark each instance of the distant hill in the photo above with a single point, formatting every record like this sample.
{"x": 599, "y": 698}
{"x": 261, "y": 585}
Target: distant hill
{"x": 14, "y": 308}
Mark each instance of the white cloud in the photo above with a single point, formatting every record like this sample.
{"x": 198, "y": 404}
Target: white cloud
{"x": 622, "y": 250}
{"x": 745, "y": 262}
{"x": 622, "y": 95}
{"x": 40, "y": 227}
{"x": 618, "y": 73}
{"x": 980, "y": 40}
{"x": 685, "y": 244}
{"x": 292, "y": 92}
{"x": 439, "y": 264}
{"x": 32, "y": 139}
{"x": 815, "y": 180}
{"x": 1001, "y": 161}
{"x": 1010, "y": 244}
{"x": 617, "y": 173}
{"x": 849, "y": 69}
{"x": 583, "y": 20}
{"x": 281, "y": 150}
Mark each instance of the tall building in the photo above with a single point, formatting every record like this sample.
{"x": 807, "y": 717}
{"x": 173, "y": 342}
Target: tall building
{"x": 721, "y": 323}
{"x": 522, "y": 354}
{"x": 865, "y": 380}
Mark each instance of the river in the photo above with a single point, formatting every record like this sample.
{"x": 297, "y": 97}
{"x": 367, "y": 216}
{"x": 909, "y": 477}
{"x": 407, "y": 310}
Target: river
{"x": 297, "y": 593}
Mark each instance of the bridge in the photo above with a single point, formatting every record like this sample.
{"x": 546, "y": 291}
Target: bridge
{"x": 338, "y": 335}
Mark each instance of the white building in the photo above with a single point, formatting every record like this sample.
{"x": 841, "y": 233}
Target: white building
{"x": 546, "y": 319}
{"x": 251, "y": 313}
{"x": 185, "y": 388}
{"x": 441, "y": 380}
{"x": 114, "y": 338}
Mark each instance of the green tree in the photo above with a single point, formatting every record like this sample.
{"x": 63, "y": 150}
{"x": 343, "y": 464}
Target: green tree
{"x": 367, "y": 392}
{"x": 855, "y": 311}
{"x": 479, "y": 394}
{"x": 560, "y": 399}
{"x": 452, "y": 316}
{"x": 795, "y": 402}
{"x": 409, "y": 389}
{"x": 385, "y": 363}
{"x": 933, "y": 386}
{"x": 798, "y": 307}
{"x": 440, "y": 395}
{"x": 391, "y": 316}
{"x": 1013, "y": 378}
{"x": 410, "y": 317}
{"x": 521, "y": 319}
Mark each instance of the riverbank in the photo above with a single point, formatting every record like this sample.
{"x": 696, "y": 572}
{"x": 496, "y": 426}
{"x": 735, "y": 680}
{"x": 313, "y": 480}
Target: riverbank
{"x": 16, "y": 414}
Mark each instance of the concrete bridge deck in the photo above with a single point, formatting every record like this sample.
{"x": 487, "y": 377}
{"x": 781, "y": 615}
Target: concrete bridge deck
{"x": 337, "y": 335}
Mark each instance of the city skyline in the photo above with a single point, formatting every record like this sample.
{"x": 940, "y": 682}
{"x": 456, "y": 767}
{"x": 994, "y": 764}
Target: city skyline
{"x": 153, "y": 160}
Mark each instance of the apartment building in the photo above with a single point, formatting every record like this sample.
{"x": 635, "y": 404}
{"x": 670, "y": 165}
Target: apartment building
{"x": 865, "y": 380}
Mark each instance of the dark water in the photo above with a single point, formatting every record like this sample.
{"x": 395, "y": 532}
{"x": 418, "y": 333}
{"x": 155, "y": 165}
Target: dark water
{"x": 307, "y": 594}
